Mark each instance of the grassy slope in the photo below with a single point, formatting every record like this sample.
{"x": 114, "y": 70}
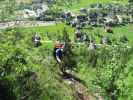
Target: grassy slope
{"x": 48, "y": 78}
{"x": 41, "y": 61}
{"x": 86, "y": 3}
{"x": 83, "y": 73}
{"x": 57, "y": 29}
{"x": 52, "y": 30}
{"x": 126, "y": 30}
{"x": 118, "y": 32}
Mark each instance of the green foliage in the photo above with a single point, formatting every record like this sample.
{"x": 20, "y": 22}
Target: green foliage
{"x": 34, "y": 71}
{"x": 125, "y": 84}
{"x": 78, "y": 4}
{"x": 123, "y": 39}
{"x": 68, "y": 55}
{"x": 28, "y": 73}
{"x": 110, "y": 71}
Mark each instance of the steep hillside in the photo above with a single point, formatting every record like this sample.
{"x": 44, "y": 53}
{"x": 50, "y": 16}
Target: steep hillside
{"x": 77, "y": 4}
{"x": 66, "y": 52}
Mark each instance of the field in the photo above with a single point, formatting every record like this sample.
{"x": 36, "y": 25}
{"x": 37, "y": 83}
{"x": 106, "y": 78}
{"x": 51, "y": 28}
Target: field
{"x": 52, "y": 31}
{"x": 118, "y": 32}
{"x": 56, "y": 30}
{"x": 86, "y": 3}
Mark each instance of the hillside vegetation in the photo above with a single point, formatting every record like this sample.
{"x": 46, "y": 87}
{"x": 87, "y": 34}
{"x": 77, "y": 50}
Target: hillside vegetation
{"x": 78, "y": 4}
{"x": 90, "y": 69}
{"x": 33, "y": 73}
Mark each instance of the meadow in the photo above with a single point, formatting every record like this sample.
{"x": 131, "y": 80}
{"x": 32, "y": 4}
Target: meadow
{"x": 85, "y": 4}
{"x": 57, "y": 30}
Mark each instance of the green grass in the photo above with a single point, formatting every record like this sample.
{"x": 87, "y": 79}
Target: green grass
{"x": 51, "y": 30}
{"x": 88, "y": 74}
{"x": 126, "y": 30}
{"x": 56, "y": 30}
{"x": 86, "y": 3}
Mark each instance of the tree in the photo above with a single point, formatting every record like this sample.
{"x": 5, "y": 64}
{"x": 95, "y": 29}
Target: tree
{"x": 68, "y": 55}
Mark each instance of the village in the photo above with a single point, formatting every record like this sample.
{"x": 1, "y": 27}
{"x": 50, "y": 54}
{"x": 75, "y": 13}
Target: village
{"x": 96, "y": 15}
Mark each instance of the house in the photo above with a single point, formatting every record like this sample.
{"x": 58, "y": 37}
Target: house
{"x": 39, "y": 6}
{"x": 82, "y": 17}
{"x": 120, "y": 19}
{"x": 66, "y": 14}
{"x": 110, "y": 22}
{"x": 93, "y": 18}
{"x": 29, "y": 13}
{"x": 83, "y": 10}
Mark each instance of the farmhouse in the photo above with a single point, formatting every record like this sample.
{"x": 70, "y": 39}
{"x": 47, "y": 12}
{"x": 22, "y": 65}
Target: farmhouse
{"x": 29, "y": 13}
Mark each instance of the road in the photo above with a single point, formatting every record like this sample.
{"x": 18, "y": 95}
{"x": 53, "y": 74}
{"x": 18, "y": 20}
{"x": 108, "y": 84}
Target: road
{"x": 4, "y": 25}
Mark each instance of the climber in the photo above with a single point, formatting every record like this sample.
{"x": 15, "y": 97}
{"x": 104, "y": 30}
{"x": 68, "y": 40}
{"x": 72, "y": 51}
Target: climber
{"x": 36, "y": 39}
{"x": 78, "y": 33}
{"x": 58, "y": 51}
{"x": 108, "y": 28}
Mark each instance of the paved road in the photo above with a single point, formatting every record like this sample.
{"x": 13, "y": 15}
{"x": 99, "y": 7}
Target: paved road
{"x": 4, "y": 25}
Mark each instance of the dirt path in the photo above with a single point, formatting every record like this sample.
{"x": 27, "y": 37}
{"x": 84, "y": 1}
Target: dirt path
{"x": 80, "y": 90}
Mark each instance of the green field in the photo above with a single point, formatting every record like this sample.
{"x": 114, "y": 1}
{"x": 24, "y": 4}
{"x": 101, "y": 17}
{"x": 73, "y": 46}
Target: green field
{"x": 56, "y": 30}
{"x": 86, "y": 3}
{"x": 53, "y": 31}
{"x": 118, "y": 32}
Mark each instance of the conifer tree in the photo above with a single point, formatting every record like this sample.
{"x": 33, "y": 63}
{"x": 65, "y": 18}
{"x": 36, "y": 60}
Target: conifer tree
{"x": 68, "y": 55}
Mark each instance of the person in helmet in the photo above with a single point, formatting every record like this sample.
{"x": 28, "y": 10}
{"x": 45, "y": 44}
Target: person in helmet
{"x": 78, "y": 33}
{"x": 58, "y": 51}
